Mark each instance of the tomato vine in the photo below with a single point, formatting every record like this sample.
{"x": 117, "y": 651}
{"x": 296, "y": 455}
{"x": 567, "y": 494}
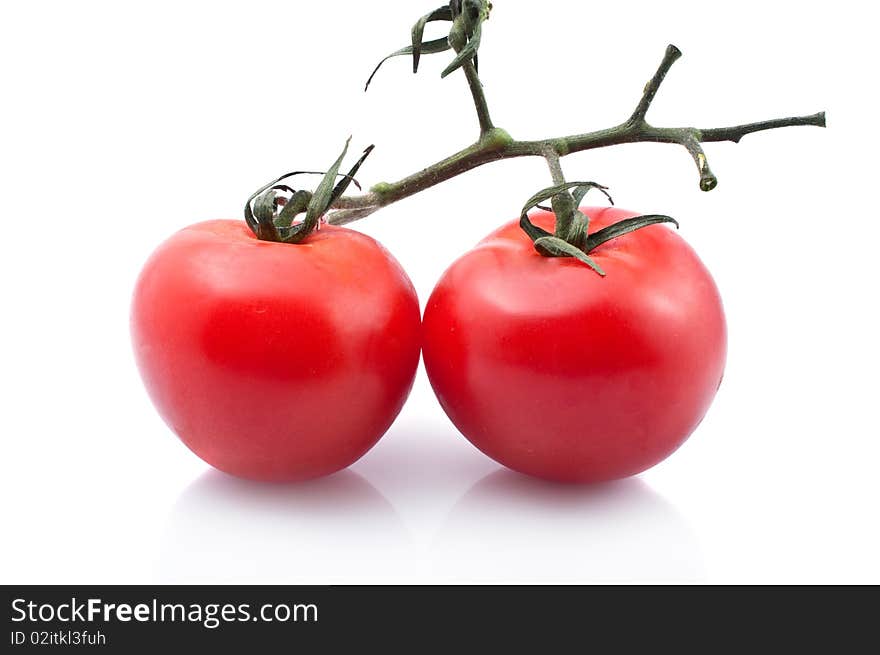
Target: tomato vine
{"x": 272, "y": 211}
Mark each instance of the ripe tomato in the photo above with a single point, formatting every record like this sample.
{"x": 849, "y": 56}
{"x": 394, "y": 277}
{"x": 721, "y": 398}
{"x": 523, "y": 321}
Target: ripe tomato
{"x": 274, "y": 361}
{"x": 559, "y": 373}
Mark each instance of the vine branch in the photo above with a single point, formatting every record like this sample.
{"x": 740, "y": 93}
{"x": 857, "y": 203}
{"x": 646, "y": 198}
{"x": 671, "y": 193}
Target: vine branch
{"x": 495, "y": 144}
{"x": 671, "y": 56}
{"x": 554, "y": 165}
{"x": 476, "y": 86}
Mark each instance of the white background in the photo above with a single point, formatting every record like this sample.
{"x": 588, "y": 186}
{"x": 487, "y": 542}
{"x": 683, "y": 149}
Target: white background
{"x": 123, "y": 122}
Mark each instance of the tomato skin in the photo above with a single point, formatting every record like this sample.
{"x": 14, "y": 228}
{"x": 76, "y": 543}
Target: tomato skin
{"x": 559, "y": 373}
{"x": 273, "y": 361}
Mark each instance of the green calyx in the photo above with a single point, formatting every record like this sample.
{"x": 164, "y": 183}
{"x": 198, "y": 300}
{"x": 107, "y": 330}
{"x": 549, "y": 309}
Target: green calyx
{"x": 272, "y": 210}
{"x": 465, "y": 35}
{"x": 571, "y": 237}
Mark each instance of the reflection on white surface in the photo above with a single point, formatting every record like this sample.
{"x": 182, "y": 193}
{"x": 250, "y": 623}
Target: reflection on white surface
{"x": 227, "y": 530}
{"x": 511, "y": 528}
{"x": 505, "y": 528}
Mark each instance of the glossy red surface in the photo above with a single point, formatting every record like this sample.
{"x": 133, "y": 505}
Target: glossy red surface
{"x": 559, "y": 373}
{"x": 275, "y": 361}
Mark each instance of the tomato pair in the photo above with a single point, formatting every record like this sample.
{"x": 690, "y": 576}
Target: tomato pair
{"x": 283, "y": 362}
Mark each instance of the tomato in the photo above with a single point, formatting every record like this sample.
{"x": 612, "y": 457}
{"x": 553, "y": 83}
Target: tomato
{"x": 559, "y": 373}
{"x": 274, "y": 361}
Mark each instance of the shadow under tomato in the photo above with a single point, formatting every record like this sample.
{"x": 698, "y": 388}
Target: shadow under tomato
{"x": 226, "y": 530}
{"x": 512, "y": 528}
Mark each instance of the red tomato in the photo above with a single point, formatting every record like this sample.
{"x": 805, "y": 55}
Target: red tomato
{"x": 559, "y": 373}
{"x": 274, "y": 361}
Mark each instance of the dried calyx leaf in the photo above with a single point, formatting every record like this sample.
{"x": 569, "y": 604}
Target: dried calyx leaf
{"x": 472, "y": 14}
{"x": 580, "y": 191}
{"x": 418, "y": 32}
{"x": 625, "y": 227}
{"x": 561, "y": 200}
{"x": 264, "y": 213}
{"x": 572, "y": 225}
{"x": 468, "y": 17}
{"x": 563, "y": 204}
{"x": 261, "y": 207}
{"x": 295, "y": 205}
{"x": 420, "y": 47}
{"x": 323, "y": 197}
{"x": 552, "y": 246}
{"x": 428, "y": 48}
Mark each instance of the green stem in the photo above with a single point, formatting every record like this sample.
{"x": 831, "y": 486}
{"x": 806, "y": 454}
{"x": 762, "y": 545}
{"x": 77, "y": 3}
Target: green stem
{"x": 555, "y": 165}
{"x": 476, "y": 86}
{"x": 671, "y": 56}
{"x": 495, "y": 144}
